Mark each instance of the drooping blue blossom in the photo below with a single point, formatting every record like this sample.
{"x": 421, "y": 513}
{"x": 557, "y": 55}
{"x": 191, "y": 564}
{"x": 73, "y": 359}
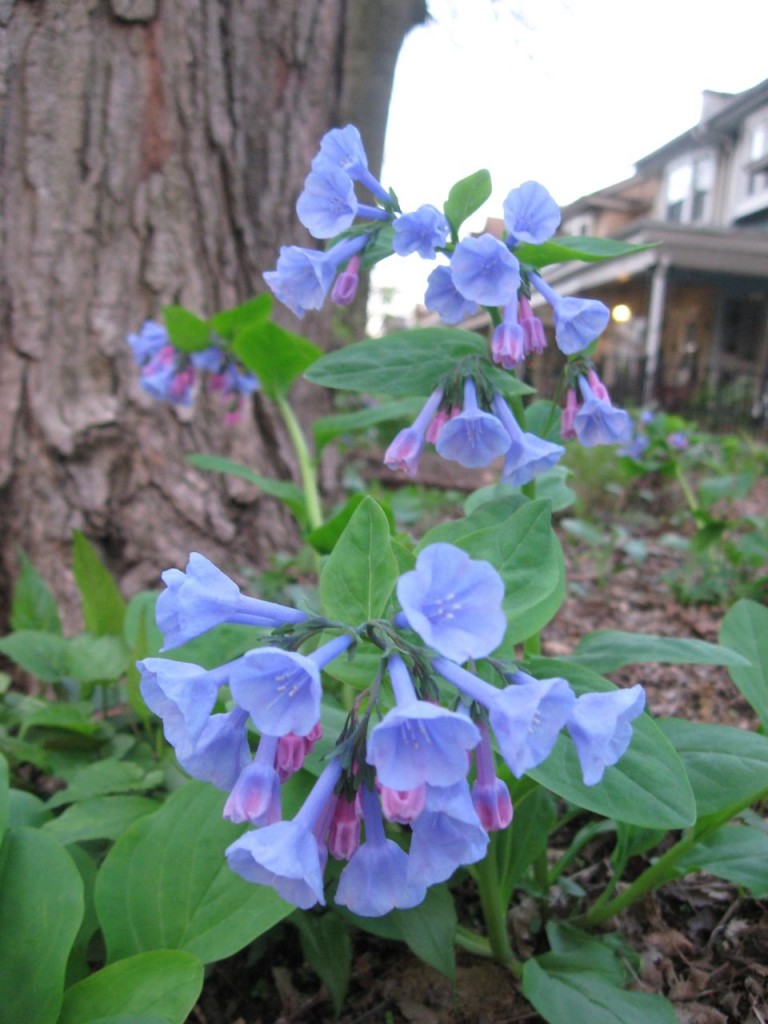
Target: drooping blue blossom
{"x": 328, "y": 206}
{"x": 528, "y": 454}
{"x": 598, "y": 421}
{"x": 418, "y": 742}
{"x": 167, "y": 377}
{"x": 530, "y": 214}
{"x": 343, "y": 148}
{"x": 485, "y": 271}
{"x": 446, "y": 835}
{"x": 453, "y": 602}
{"x": 422, "y": 231}
{"x": 376, "y": 879}
{"x": 286, "y": 855}
{"x": 220, "y": 753}
{"x": 281, "y": 690}
{"x": 534, "y": 338}
{"x": 473, "y": 438}
{"x": 202, "y": 597}
{"x": 599, "y": 724}
{"x": 303, "y": 277}
{"x": 526, "y": 716}
{"x": 402, "y": 805}
{"x": 678, "y": 440}
{"x": 181, "y": 694}
{"x": 405, "y": 450}
{"x": 148, "y": 342}
{"x": 255, "y": 797}
{"x": 490, "y": 794}
{"x": 508, "y": 341}
{"x": 210, "y": 359}
{"x": 577, "y": 321}
{"x": 636, "y": 448}
{"x": 443, "y": 298}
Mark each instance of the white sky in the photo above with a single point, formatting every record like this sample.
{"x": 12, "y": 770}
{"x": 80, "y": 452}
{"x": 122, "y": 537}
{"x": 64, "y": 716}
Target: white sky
{"x": 568, "y": 92}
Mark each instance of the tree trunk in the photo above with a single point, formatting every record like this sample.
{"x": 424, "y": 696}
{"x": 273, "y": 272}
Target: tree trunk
{"x": 151, "y": 153}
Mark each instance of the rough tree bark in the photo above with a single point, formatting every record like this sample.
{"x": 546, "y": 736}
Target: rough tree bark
{"x": 151, "y": 152}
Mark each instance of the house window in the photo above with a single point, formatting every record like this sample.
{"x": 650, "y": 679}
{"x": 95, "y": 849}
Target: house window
{"x": 757, "y": 168}
{"x": 688, "y": 191}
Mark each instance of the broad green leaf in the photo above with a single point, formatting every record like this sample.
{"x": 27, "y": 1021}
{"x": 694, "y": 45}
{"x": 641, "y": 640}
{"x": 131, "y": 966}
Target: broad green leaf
{"x": 327, "y": 428}
{"x": 609, "y": 649}
{"x": 43, "y": 655}
{"x": 283, "y": 490}
{"x": 327, "y": 948}
{"x": 103, "y": 604}
{"x": 165, "y": 884}
{"x": 528, "y": 556}
{"x": 103, "y": 778}
{"x": 577, "y": 946}
{"x": 75, "y": 718}
{"x": 97, "y": 659}
{"x": 325, "y": 537}
{"x": 79, "y": 965}
{"x": 41, "y": 906}
{"x": 408, "y": 362}
{"x": 4, "y": 798}
{"x": 159, "y": 987}
{"x": 559, "y": 988}
{"x": 104, "y": 817}
{"x": 725, "y": 765}
{"x": 34, "y": 606}
{"x": 358, "y": 579}
{"x": 429, "y": 930}
{"x": 466, "y": 197}
{"x": 648, "y": 787}
{"x": 745, "y": 629}
{"x": 187, "y": 332}
{"x": 380, "y": 247}
{"x": 227, "y": 323}
{"x": 493, "y": 513}
{"x": 576, "y": 247}
{"x": 275, "y": 355}
{"x": 26, "y": 809}
{"x": 526, "y": 838}
{"x": 144, "y": 640}
{"x": 553, "y": 486}
{"x": 737, "y": 853}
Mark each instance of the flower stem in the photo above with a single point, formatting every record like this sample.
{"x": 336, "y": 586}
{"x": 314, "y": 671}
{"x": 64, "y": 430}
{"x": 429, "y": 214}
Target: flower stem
{"x": 306, "y": 466}
{"x": 495, "y": 912}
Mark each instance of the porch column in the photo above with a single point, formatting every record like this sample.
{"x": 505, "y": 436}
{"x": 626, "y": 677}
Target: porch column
{"x": 655, "y": 325}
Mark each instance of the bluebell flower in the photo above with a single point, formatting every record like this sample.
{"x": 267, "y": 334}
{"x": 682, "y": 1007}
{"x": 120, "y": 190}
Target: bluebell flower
{"x": 577, "y": 321}
{"x": 528, "y": 454}
{"x": 344, "y": 830}
{"x": 599, "y": 422}
{"x": 375, "y": 880}
{"x": 526, "y": 716}
{"x": 210, "y": 359}
{"x": 422, "y": 231}
{"x": 346, "y": 284}
{"x": 446, "y": 835}
{"x": 473, "y": 438}
{"x": 490, "y": 794}
{"x": 181, "y": 694}
{"x": 255, "y": 796}
{"x": 286, "y": 855}
{"x": 453, "y": 602}
{"x": 343, "y": 148}
{"x": 418, "y": 742}
{"x": 166, "y": 377}
{"x": 281, "y": 690}
{"x": 530, "y": 214}
{"x": 328, "y": 206}
{"x": 678, "y": 440}
{"x": 636, "y": 448}
{"x": 508, "y": 341}
{"x": 405, "y": 450}
{"x": 402, "y": 805}
{"x": 599, "y": 724}
{"x": 534, "y": 338}
{"x": 485, "y": 271}
{"x": 202, "y": 597}
{"x": 148, "y": 342}
{"x": 220, "y": 753}
{"x": 443, "y": 298}
{"x": 303, "y": 277}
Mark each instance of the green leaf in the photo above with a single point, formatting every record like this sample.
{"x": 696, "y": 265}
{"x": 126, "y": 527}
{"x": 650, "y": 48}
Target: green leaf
{"x": 559, "y": 988}
{"x": 227, "y": 323}
{"x": 154, "y": 988}
{"x": 26, "y": 809}
{"x": 103, "y": 778}
{"x": 43, "y": 655}
{"x": 165, "y": 884}
{"x": 104, "y": 817}
{"x": 576, "y": 946}
{"x": 493, "y": 513}
{"x": 466, "y": 197}
{"x": 725, "y": 765}
{"x": 275, "y": 355}
{"x": 327, "y": 948}
{"x": 70, "y": 717}
{"x": 283, "y": 490}
{"x": 41, "y": 906}
{"x": 577, "y": 247}
{"x": 103, "y": 604}
{"x": 649, "y": 785}
{"x": 527, "y": 554}
{"x": 97, "y": 659}
{"x": 4, "y": 798}
{"x": 324, "y": 538}
{"x": 745, "y": 629}
{"x": 329, "y": 427}
{"x": 609, "y": 649}
{"x": 358, "y": 579}
{"x": 34, "y": 606}
{"x": 737, "y": 853}
{"x": 526, "y": 838}
{"x": 429, "y": 930}
{"x": 408, "y": 363}
{"x": 187, "y": 332}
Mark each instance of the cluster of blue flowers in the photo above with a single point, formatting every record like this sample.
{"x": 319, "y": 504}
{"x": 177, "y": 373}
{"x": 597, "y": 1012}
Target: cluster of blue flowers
{"x": 169, "y": 374}
{"x": 426, "y": 764}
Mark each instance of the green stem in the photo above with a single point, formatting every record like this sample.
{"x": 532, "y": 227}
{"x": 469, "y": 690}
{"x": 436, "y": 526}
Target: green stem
{"x": 306, "y": 465}
{"x": 473, "y": 943}
{"x": 690, "y": 497}
{"x": 495, "y": 912}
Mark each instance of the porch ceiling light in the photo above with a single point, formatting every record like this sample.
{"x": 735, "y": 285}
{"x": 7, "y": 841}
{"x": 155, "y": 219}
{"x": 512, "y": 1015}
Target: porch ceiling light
{"x": 621, "y": 313}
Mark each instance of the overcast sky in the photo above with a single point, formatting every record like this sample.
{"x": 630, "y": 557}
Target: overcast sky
{"x": 568, "y": 92}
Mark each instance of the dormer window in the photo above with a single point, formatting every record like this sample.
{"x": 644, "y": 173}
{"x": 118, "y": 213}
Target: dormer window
{"x": 689, "y": 190}
{"x": 757, "y": 168}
